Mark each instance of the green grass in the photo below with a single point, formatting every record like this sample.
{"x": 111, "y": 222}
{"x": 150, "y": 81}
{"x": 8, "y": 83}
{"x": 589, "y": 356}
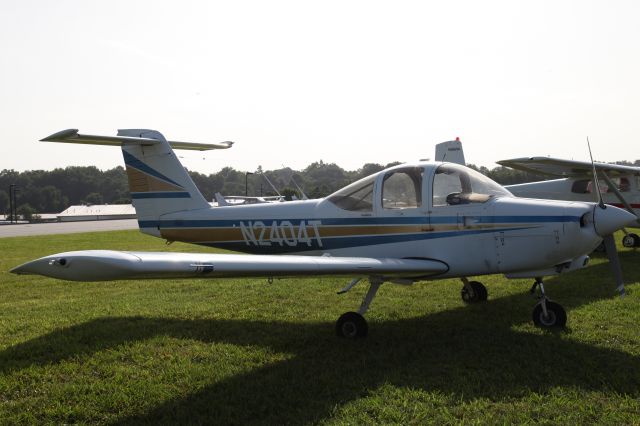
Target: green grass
{"x": 246, "y": 351}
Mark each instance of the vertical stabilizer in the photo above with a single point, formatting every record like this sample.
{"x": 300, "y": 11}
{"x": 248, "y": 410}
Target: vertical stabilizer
{"x": 451, "y": 152}
{"x": 158, "y": 182}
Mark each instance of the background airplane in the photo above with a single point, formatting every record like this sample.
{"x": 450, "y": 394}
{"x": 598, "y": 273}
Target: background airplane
{"x": 412, "y": 222}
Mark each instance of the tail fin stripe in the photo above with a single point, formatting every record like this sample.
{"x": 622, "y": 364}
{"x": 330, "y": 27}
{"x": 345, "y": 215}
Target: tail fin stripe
{"x": 132, "y": 161}
{"x": 170, "y": 194}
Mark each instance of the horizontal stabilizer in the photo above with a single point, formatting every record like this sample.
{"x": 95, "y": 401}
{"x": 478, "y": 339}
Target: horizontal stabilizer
{"x": 106, "y": 265}
{"x": 72, "y": 136}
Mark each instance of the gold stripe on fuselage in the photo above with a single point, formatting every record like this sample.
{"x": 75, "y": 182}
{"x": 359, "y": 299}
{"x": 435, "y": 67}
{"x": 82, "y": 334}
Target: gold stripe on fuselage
{"x": 228, "y": 234}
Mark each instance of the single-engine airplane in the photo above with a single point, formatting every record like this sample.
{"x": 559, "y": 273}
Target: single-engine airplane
{"x": 619, "y": 184}
{"x": 408, "y": 223}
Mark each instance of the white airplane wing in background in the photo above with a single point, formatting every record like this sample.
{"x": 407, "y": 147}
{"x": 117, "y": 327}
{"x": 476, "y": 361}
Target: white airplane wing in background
{"x": 106, "y": 265}
{"x": 566, "y": 168}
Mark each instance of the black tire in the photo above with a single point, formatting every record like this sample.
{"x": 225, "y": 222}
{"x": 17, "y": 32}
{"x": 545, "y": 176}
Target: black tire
{"x": 351, "y": 325}
{"x": 636, "y": 240}
{"x": 557, "y": 317}
{"x": 479, "y": 293}
{"x": 630, "y": 240}
{"x": 600, "y": 248}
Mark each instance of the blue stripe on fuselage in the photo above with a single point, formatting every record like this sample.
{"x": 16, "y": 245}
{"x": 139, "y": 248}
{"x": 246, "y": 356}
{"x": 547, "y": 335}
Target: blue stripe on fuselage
{"x": 420, "y": 220}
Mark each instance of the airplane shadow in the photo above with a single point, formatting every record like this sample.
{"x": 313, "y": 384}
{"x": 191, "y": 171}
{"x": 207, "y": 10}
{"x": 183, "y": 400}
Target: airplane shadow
{"x": 470, "y": 352}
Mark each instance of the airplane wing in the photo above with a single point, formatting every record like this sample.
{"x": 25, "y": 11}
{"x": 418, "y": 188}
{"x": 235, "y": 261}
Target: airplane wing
{"x": 72, "y": 136}
{"x": 566, "y": 168}
{"x": 106, "y": 265}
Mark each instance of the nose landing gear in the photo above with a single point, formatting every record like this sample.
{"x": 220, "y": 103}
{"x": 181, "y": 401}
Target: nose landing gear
{"x": 546, "y": 313}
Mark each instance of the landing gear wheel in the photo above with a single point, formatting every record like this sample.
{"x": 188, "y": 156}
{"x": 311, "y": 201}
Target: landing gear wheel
{"x": 351, "y": 325}
{"x": 631, "y": 240}
{"x": 556, "y": 316}
{"x": 478, "y": 293}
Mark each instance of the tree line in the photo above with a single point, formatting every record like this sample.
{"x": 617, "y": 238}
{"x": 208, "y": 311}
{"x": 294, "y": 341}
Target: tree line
{"x": 40, "y": 191}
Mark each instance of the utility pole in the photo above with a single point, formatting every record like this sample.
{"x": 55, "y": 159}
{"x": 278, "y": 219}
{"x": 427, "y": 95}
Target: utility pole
{"x": 11, "y": 203}
{"x": 15, "y": 204}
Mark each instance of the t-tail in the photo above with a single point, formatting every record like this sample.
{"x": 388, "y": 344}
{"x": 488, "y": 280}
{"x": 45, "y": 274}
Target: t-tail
{"x": 158, "y": 182}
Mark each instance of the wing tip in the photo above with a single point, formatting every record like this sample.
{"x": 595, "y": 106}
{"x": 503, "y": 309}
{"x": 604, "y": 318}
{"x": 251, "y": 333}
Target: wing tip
{"x": 63, "y": 134}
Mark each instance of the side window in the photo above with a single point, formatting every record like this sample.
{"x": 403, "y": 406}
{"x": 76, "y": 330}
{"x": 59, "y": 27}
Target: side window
{"x": 624, "y": 185}
{"x": 357, "y": 197}
{"x": 402, "y": 189}
{"x": 444, "y": 184}
{"x": 581, "y": 186}
{"x": 454, "y": 184}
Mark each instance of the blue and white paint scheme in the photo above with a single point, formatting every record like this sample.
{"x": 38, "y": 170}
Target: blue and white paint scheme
{"x": 412, "y": 222}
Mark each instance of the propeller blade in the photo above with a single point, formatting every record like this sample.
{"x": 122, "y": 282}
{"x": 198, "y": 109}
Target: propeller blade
{"x": 595, "y": 178}
{"x": 614, "y": 261}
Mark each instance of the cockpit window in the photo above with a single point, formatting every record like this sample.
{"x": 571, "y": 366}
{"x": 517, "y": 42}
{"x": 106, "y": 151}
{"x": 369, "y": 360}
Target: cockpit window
{"x": 402, "y": 188}
{"x": 355, "y": 197}
{"x": 454, "y": 184}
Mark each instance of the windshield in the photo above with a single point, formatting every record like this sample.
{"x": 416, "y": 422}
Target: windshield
{"x": 454, "y": 184}
{"x": 355, "y": 197}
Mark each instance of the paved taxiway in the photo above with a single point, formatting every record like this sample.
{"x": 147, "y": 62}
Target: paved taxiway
{"x": 66, "y": 227}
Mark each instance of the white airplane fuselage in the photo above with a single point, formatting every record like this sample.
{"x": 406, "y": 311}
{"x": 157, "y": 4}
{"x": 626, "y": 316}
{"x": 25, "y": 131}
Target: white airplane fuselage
{"x": 477, "y": 238}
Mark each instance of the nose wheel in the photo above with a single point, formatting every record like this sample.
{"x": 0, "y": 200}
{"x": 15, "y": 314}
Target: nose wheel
{"x": 547, "y": 314}
{"x": 556, "y": 317}
{"x": 351, "y": 325}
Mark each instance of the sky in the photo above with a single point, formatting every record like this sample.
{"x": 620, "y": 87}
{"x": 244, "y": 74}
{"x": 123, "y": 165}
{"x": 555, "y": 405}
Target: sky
{"x": 346, "y": 82}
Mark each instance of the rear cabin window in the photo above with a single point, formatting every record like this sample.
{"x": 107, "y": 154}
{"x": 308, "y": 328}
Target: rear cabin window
{"x": 454, "y": 185}
{"x": 585, "y": 186}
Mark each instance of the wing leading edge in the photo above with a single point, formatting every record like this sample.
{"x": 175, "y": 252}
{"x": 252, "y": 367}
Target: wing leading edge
{"x": 566, "y": 168}
{"x": 106, "y": 265}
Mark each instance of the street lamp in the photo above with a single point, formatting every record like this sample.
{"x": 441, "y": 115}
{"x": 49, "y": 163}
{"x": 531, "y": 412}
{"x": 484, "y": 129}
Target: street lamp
{"x": 15, "y": 204}
{"x": 246, "y": 190}
{"x": 13, "y": 188}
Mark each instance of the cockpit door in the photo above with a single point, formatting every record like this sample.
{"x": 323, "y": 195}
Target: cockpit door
{"x": 461, "y": 215}
{"x": 402, "y": 193}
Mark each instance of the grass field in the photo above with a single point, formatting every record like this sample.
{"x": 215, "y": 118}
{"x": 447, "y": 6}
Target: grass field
{"x": 246, "y": 351}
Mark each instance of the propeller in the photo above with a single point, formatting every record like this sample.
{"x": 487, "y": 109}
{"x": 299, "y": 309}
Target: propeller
{"x": 605, "y": 232}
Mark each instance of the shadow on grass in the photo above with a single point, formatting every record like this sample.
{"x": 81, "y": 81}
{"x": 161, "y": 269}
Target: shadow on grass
{"x": 466, "y": 353}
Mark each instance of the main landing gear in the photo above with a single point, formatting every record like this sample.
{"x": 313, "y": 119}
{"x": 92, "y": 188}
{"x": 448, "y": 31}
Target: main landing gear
{"x": 547, "y": 314}
{"x": 352, "y": 325}
{"x": 473, "y": 291}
